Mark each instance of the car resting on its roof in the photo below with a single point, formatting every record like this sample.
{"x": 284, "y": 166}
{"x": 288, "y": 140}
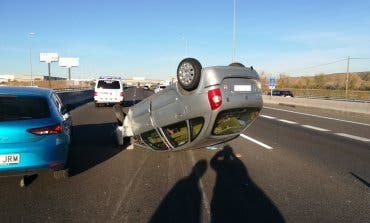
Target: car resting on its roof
{"x": 207, "y": 106}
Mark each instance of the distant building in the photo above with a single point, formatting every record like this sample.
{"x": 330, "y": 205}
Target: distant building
{"x": 138, "y": 81}
{"x": 46, "y": 78}
{"x": 6, "y": 78}
{"x": 25, "y": 78}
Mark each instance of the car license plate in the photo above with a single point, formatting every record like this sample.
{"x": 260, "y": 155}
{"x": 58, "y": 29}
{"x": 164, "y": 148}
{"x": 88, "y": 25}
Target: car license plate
{"x": 242, "y": 88}
{"x": 8, "y": 159}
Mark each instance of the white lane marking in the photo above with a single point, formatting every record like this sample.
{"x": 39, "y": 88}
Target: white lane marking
{"x": 267, "y": 116}
{"x": 316, "y": 128}
{"x": 353, "y": 137}
{"x": 318, "y": 116}
{"x": 256, "y": 141}
{"x": 287, "y": 121}
{"x": 122, "y": 197}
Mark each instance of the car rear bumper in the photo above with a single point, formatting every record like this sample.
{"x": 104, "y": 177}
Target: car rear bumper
{"x": 108, "y": 100}
{"x": 33, "y": 157}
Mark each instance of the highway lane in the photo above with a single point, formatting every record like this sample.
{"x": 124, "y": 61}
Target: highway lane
{"x": 308, "y": 176}
{"x": 339, "y": 124}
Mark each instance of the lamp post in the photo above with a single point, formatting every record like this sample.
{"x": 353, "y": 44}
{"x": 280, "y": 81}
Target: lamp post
{"x": 234, "y": 30}
{"x": 347, "y": 73}
{"x": 186, "y": 45}
{"x": 31, "y": 35}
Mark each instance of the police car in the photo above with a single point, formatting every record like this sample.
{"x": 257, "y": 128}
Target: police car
{"x": 108, "y": 90}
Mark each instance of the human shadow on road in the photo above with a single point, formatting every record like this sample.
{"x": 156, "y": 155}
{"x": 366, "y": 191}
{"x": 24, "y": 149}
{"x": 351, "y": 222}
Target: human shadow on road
{"x": 91, "y": 144}
{"x": 183, "y": 202}
{"x": 236, "y": 198}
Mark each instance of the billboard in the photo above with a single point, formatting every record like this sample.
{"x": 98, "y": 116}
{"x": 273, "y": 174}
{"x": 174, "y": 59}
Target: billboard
{"x": 49, "y": 57}
{"x": 69, "y": 62}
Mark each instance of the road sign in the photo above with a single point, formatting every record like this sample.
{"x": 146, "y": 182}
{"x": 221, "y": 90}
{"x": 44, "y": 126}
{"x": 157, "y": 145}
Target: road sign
{"x": 272, "y": 82}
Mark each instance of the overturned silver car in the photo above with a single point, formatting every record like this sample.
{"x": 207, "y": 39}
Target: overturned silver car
{"x": 206, "y": 106}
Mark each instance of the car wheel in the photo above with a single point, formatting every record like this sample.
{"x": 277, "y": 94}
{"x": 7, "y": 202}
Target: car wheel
{"x": 188, "y": 73}
{"x": 236, "y": 64}
{"x": 120, "y": 115}
{"x": 27, "y": 180}
{"x": 60, "y": 174}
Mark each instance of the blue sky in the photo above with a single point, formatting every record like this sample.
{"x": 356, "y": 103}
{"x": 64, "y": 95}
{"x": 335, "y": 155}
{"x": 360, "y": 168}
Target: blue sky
{"x": 148, "y": 38}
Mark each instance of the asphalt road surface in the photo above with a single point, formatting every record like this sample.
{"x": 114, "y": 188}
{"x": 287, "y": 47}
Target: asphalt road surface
{"x": 290, "y": 165}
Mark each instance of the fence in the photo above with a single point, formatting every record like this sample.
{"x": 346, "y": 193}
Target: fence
{"x": 363, "y": 95}
{"x": 55, "y": 84}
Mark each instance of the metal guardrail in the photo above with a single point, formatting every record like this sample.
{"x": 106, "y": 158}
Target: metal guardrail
{"x": 72, "y": 89}
{"x": 76, "y": 98}
{"x": 324, "y": 103}
{"x": 336, "y": 99}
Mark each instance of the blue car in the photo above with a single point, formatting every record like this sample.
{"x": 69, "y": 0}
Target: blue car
{"x": 35, "y": 132}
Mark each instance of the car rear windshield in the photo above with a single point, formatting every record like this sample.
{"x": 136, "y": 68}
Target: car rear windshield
{"x": 109, "y": 84}
{"x": 14, "y": 108}
{"x": 234, "y": 120}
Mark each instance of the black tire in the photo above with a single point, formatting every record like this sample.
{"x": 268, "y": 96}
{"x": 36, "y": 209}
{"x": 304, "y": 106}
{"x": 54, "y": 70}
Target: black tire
{"x": 236, "y": 64}
{"x": 71, "y": 136}
{"x": 188, "y": 73}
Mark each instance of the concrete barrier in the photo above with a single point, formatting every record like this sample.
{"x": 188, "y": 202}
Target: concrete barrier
{"x": 76, "y": 98}
{"x": 356, "y": 107}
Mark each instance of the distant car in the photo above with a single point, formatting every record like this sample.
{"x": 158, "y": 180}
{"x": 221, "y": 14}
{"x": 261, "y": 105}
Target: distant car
{"x": 206, "y": 106}
{"x": 159, "y": 88}
{"x": 146, "y": 87}
{"x": 108, "y": 90}
{"x": 35, "y": 132}
{"x": 283, "y": 93}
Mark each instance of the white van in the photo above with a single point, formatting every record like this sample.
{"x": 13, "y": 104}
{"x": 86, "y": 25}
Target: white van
{"x": 108, "y": 90}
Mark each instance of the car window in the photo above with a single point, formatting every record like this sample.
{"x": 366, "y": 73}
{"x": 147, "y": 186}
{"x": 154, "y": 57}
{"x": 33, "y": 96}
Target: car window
{"x": 108, "y": 84}
{"x": 234, "y": 120}
{"x": 152, "y": 139}
{"x": 57, "y": 102}
{"x": 196, "y": 126}
{"x": 19, "y": 108}
{"x": 177, "y": 133}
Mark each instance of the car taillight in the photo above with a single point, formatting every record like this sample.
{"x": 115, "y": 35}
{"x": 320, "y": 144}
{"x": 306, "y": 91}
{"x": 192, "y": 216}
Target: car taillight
{"x": 121, "y": 94}
{"x": 47, "y": 130}
{"x": 95, "y": 93}
{"x": 215, "y": 98}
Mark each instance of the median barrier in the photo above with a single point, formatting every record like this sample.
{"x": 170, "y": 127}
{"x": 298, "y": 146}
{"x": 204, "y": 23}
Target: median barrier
{"x": 76, "y": 98}
{"x": 347, "y": 106}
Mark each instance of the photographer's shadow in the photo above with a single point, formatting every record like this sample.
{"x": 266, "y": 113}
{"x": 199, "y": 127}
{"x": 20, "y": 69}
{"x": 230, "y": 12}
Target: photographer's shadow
{"x": 183, "y": 202}
{"x": 236, "y": 198}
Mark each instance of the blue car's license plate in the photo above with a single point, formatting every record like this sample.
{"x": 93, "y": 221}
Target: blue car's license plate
{"x": 7, "y": 159}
